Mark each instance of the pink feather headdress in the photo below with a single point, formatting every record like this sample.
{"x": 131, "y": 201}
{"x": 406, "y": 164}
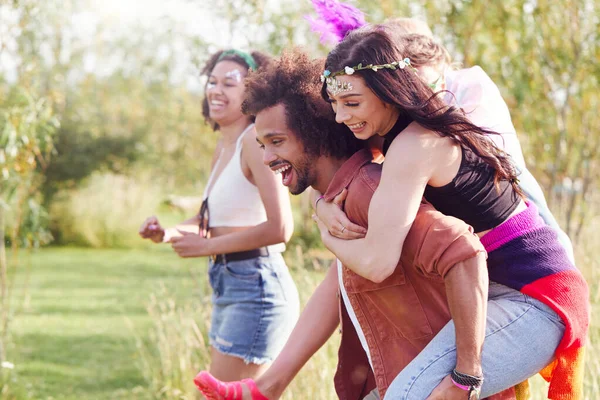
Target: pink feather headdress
{"x": 335, "y": 19}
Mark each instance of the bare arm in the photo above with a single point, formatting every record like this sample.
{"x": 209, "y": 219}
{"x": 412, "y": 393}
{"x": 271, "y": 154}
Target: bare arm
{"x": 277, "y": 228}
{"x": 446, "y": 247}
{"x": 467, "y": 289}
{"x": 279, "y": 225}
{"x": 315, "y": 326}
{"x": 410, "y": 162}
{"x": 152, "y": 229}
{"x": 334, "y": 218}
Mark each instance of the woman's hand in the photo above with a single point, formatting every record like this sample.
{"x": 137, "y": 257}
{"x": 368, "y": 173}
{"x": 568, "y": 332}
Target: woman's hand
{"x": 336, "y": 221}
{"x": 152, "y": 230}
{"x": 325, "y": 235}
{"x": 446, "y": 390}
{"x": 189, "y": 245}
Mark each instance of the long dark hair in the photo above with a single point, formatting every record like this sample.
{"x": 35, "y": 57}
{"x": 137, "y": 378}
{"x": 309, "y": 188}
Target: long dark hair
{"x": 404, "y": 89}
{"x": 260, "y": 59}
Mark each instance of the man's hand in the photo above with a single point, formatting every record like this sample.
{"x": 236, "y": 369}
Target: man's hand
{"x": 335, "y": 219}
{"x": 189, "y": 244}
{"x": 446, "y": 390}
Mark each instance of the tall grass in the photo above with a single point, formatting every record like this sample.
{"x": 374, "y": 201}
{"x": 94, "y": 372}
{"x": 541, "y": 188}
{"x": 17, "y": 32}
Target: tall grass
{"x": 10, "y": 387}
{"x": 587, "y": 255}
{"x": 178, "y": 347}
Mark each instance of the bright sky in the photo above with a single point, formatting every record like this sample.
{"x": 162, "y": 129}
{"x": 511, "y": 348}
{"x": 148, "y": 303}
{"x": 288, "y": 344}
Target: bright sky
{"x": 119, "y": 18}
{"x": 193, "y": 15}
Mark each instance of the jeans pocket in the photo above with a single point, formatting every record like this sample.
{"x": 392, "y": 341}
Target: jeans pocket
{"x": 278, "y": 284}
{"x": 246, "y": 270}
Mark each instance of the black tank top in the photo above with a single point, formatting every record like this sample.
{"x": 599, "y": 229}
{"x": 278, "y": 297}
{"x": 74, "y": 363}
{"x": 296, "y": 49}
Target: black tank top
{"x": 472, "y": 195}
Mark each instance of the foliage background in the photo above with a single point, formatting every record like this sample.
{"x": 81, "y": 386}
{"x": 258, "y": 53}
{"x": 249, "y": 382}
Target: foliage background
{"x": 126, "y": 96}
{"x": 100, "y": 122}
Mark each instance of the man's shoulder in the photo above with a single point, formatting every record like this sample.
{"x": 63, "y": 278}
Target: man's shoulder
{"x": 360, "y": 193}
{"x": 369, "y": 175}
{"x": 427, "y": 213}
{"x": 365, "y": 181}
{"x": 472, "y": 74}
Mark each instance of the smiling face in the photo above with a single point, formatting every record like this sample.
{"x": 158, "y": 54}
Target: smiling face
{"x": 284, "y": 153}
{"x": 361, "y": 110}
{"x": 225, "y": 92}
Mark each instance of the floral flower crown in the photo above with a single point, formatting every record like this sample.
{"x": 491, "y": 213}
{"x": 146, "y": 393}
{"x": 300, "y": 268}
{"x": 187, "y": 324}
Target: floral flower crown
{"x": 334, "y": 86}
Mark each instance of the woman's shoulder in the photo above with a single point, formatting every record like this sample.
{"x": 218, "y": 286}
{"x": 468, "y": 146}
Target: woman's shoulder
{"x": 423, "y": 150}
{"x": 417, "y": 138}
{"x": 249, "y": 136}
{"x": 249, "y": 143}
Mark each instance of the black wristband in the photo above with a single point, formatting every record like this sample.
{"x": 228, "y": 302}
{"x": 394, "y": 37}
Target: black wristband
{"x": 466, "y": 380}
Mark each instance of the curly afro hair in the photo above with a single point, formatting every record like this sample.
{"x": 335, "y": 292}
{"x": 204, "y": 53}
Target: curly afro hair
{"x": 294, "y": 81}
{"x": 261, "y": 60}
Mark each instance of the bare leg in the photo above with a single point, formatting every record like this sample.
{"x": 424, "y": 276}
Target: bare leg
{"x": 229, "y": 368}
{"x": 317, "y": 323}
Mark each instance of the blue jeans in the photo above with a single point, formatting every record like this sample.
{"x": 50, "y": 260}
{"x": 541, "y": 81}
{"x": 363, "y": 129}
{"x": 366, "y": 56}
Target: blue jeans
{"x": 521, "y": 337}
{"x": 255, "y": 307}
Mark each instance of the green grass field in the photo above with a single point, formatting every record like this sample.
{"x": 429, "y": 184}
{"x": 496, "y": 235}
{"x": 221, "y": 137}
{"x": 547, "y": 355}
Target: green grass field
{"x": 75, "y": 328}
{"x": 79, "y": 324}
{"x": 71, "y": 335}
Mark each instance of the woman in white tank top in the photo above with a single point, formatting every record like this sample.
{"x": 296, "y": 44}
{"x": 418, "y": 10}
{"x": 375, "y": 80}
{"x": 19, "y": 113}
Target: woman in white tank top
{"x": 244, "y": 223}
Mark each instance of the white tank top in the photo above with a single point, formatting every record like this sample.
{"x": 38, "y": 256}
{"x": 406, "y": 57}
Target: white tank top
{"x": 233, "y": 200}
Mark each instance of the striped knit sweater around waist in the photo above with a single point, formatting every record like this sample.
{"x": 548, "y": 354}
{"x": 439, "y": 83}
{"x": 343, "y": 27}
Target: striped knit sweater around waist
{"x": 524, "y": 254}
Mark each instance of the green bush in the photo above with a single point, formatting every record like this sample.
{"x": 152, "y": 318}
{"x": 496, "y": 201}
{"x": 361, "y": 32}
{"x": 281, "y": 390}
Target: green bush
{"x": 106, "y": 211}
{"x": 79, "y": 154}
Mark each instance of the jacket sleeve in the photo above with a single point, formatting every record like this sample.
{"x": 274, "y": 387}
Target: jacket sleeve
{"x": 440, "y": 242}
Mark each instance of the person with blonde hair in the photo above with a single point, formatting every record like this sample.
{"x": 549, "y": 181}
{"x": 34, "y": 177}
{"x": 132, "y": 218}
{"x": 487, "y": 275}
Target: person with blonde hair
{"x": 404, "y": 25}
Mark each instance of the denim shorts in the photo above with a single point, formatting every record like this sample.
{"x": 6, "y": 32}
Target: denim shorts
{"x": 255, "y": 307}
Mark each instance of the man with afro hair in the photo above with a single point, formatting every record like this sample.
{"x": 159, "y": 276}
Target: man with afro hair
{"x": 286, "y": 101}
